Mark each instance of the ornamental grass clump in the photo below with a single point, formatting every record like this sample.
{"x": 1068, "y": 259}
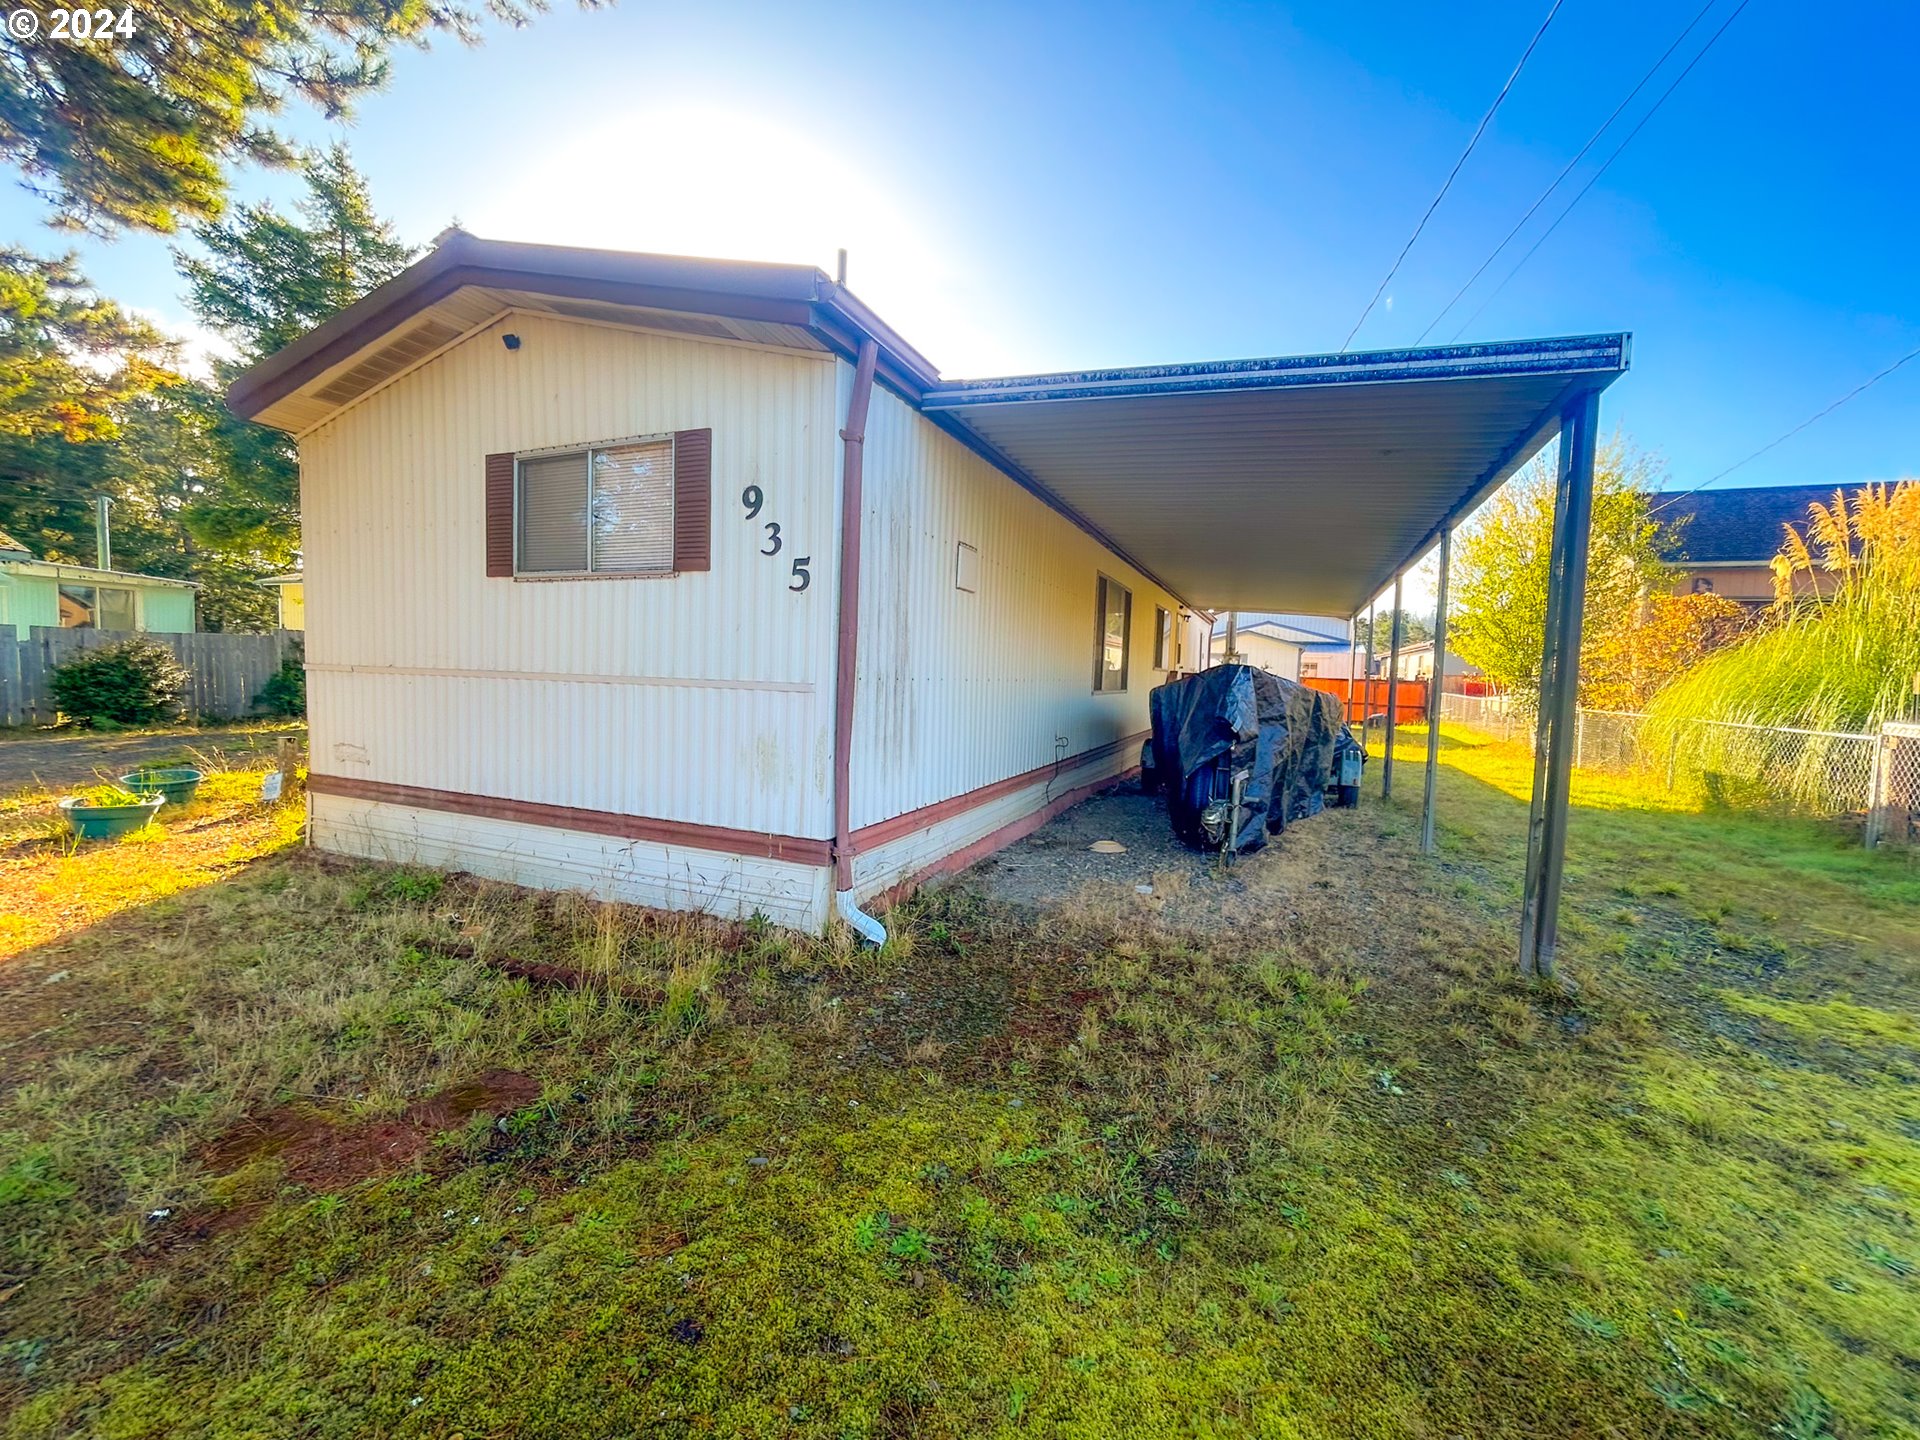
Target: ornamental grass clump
{"x": 1838, "y": 653}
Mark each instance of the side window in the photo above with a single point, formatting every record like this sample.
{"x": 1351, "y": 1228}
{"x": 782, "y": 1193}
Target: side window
{"x": 641, "y": 506}
{"x": 1113, "y": 640}
{"x": 1162, "y": 638}
{"x": 601, "y": 511}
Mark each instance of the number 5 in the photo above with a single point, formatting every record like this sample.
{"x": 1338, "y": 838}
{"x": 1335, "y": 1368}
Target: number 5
{"x": 801, "y": 573}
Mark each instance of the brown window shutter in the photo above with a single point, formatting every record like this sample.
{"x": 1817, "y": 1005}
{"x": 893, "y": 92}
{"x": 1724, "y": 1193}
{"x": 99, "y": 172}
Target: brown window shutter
{"x": 500, "y": 516}
{"x": 693, "y": 500}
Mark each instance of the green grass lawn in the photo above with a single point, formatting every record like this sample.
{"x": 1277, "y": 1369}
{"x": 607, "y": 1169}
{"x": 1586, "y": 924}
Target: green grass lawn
{"x": 323, "y": 1149}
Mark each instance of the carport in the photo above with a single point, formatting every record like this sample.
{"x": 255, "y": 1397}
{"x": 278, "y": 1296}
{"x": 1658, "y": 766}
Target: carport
{"x": 1314, "y": 483}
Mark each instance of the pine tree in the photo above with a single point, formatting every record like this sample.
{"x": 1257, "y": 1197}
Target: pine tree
{"x": 265, "y": 279}
{"x": 140, "y": 133}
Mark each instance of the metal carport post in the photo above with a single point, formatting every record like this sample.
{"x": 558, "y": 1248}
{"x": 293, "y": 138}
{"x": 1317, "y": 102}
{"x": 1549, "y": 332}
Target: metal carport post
{"x": 1393, "y": 689}
{"x": 1559, "y": 688}
{"x": 1436, "y": 682}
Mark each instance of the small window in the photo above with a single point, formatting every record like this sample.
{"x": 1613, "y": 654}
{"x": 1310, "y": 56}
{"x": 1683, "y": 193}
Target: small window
{"x": 1114, "y": 638}
{"x": 966, "y": 568}
{"x": 103, "y": 607}
{"x": 1162, "y": 638}
{"x": 604, "y": 510}
{"x": 116, "y": 608}
{"x": 1309, "y": 668}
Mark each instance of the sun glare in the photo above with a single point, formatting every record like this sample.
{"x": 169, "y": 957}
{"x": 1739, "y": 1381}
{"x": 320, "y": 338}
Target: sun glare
{"x": 692, "y": 180}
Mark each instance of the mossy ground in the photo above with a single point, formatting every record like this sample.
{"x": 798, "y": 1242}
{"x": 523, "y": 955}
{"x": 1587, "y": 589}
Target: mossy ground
{"x": 1063, "y": 1174}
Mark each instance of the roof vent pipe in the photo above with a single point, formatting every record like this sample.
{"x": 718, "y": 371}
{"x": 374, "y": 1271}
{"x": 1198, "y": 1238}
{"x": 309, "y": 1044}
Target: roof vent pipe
{"x": 840, "y": 269}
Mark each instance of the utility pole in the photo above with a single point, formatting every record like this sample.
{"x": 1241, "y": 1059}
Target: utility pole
{"x": 102, "y": 533}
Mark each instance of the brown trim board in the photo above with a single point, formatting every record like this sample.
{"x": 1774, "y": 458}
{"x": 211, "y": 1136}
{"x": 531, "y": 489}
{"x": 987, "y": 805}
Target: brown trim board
{"x": 795, "y": 848}
{"x": 881, "y": 831}
{"x": 958, "y": 860}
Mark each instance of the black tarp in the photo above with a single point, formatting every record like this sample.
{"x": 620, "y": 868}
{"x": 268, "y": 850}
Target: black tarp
{"x": 1207, "y": 727}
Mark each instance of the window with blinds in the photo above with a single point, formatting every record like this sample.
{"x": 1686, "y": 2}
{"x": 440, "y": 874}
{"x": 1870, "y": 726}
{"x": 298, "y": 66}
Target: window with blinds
{"x": 605, "y": 510}
{"x": 1113, "y": 635}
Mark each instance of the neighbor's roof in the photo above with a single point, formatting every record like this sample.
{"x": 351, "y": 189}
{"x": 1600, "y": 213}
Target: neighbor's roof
{"x": 1291, "y": 484}
{"x": 1729, "y": 526}
{"x": 1301, "y": 629}
{"x": 61, "y": 571}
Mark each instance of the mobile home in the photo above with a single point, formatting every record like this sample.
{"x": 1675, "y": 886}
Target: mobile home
{"x": 605, "y": 492}
{"x": 690, "y": 582}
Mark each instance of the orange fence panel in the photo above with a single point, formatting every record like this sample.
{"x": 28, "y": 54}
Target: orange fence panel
{"x": 1370, "y": 698}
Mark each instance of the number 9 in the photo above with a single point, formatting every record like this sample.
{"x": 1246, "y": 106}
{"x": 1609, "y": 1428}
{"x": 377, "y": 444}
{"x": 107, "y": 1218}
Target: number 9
{"x": 752, "y": 499}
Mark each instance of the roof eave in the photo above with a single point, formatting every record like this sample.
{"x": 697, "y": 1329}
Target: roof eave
{"x": 797, "y": 295}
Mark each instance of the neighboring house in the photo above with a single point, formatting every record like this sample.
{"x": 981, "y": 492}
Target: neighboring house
{"x": 605, "y": 493}
{"x": 292, "y": 593}
{"x": 1297, "y": 646}
{"x": 1726, "y": 539}
{"x": 1416, "y": 662}
{"x": 43, "y": 592}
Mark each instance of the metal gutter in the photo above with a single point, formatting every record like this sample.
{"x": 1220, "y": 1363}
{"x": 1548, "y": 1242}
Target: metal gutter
{"x": 54, "y": 569}
{"x": 1505, "y": 359}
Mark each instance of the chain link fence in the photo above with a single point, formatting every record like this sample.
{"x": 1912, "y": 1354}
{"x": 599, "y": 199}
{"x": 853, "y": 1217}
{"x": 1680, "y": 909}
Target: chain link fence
{"x": 1819, "y": 772}
{"x": 1894, "y": 816}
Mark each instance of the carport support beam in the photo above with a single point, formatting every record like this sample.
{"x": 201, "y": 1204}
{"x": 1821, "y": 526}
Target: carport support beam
{"x": 1436, "y": 682}
{"x": 1366, "y": 683}
{"x": 1353, "y": 660}
{"x": 1393, "y": 689}
{"x": 1559, "y": 689}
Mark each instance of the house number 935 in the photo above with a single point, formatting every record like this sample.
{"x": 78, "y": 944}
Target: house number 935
{"x": 753, "y": 500}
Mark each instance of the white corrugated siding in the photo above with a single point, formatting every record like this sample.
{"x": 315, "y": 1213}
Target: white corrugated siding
{"x": 961, "y": 690}
{"x": 672, "y": 877}
{"x": 711, "y": 694}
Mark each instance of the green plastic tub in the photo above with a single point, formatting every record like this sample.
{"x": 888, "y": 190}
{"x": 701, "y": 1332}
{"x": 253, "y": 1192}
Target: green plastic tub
{"x": 176, "y": 782}
{"x": 108, "y": 822}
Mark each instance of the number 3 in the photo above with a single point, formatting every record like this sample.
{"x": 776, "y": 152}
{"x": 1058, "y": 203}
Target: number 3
{"x": 801, "y": 573}
{"x": 773, "y": 539}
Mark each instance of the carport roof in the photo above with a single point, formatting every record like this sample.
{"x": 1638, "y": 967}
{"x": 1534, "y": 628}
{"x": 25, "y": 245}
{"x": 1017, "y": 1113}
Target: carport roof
{"x": 1299, "y": 483}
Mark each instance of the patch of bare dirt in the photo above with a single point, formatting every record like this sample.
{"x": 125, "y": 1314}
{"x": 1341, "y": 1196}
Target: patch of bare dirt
{"x": 324, "y": 1155}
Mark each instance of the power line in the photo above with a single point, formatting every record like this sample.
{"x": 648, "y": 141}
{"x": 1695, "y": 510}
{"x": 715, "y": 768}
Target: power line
{"x": 1864, "y": 385}
{"x": 1567, "y": 170}
{"x": 1479, "y": 130}
{"x": 1618, "y": 149}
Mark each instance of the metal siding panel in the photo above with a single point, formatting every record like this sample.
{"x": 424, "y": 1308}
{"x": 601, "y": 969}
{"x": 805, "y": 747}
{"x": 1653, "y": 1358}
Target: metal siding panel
{"x": 686, "y": 728}
{"x": 960, "y": 690}
{"x": 672, "y": 877}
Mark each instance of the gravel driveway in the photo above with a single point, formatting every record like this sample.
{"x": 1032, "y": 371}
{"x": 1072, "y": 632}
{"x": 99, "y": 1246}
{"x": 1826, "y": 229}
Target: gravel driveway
{"x": 61, "y": 761}
{"x": 1292, "y": 880}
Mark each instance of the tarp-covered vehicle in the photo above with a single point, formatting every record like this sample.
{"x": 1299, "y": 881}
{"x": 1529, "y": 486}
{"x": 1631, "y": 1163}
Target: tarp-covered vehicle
{"x": 1241, "y": 752}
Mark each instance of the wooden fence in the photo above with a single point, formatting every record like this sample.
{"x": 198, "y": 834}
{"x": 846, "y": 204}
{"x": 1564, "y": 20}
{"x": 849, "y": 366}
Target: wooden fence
{"x": 226, "y": 670}
{"x": 1370, "y": 698}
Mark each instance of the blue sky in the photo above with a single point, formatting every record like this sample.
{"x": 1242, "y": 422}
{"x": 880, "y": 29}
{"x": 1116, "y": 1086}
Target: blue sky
{"x": 1039, "y": 186}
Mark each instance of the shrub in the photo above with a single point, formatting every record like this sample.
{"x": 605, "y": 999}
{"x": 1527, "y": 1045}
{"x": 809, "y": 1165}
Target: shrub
{"x": 285, "y": 692}
{"x": 134, "y": 682}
